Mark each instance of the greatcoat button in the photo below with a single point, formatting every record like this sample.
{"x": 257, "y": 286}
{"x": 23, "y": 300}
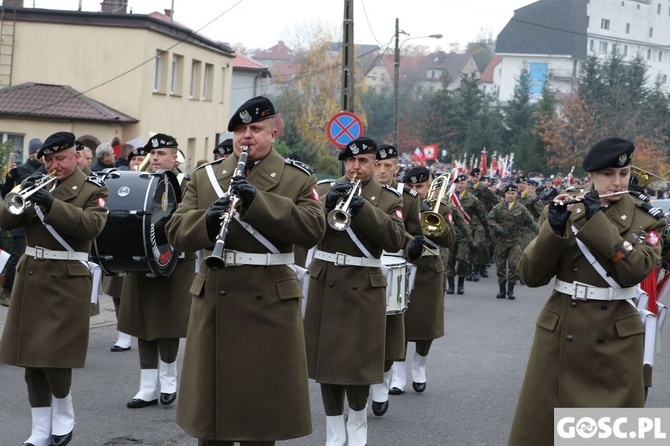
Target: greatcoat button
{"x": 331, "y": 284}
{"x": 222, "y": 293}
{"x": 53, "y": 276}
{"x": 603, "y": 307}
{"x": 259, "y": 296}
{"x": 30, "y": 273}
{"x": 573, "y": 303}
{"x": 354, "y": 287}
{"x": 601, "y": 340}
{"x": 569, "y": 337}
{"x": 574, "y": 270}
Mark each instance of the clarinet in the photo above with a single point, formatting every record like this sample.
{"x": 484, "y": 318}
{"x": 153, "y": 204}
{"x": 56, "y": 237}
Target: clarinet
{"x": 216, "y": 260}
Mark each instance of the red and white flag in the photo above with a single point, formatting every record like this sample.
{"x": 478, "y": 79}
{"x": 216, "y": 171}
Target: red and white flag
{"x": 430, "y": 152}
{"x": 418, "y": 157}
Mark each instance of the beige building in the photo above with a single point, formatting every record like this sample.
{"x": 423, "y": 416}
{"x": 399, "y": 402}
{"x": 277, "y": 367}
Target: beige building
{"x": 157, "y": 74}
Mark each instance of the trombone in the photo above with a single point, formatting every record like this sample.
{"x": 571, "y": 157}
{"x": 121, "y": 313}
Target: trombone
{"x": 340, "y": 218}
{"x": 432, "y": 222}
{"x": 17, "y": 202}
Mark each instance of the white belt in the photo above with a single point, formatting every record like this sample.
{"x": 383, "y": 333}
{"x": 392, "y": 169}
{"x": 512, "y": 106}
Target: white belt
{"x": 584, "y": 291}
{"x": 239, "y": 258}
{"x": 340, "y": 259}
{"x": 430, "y": 251}
{"x": 43, "y": 253}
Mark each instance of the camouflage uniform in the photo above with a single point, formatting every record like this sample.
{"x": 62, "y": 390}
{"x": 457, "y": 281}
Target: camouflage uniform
{"x": 459, "y": 253}
{"x": 534, "y": 206}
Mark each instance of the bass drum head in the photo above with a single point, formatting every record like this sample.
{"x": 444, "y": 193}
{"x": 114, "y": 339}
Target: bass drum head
{"x": 134, "y": 238}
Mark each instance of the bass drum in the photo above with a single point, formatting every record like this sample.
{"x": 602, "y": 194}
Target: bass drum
{"x": 134, "y": 238}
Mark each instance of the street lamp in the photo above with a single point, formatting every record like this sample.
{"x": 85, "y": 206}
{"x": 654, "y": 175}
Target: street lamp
{"x": 396, "y": 74}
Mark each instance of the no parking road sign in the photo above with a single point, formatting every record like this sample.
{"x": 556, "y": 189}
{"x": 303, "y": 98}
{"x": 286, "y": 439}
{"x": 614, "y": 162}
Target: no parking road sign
{"x": 343, "y": 128}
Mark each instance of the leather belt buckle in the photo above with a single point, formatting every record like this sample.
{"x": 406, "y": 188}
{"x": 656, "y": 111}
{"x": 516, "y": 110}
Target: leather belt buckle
{"x": 580, "y": 291}
{"x": 39, "y": 253}
{"x": 340, "y": 259}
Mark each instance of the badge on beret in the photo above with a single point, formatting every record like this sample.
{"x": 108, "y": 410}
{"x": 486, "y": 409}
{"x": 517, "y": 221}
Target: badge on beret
{"x": 623, "y": 159}
{"x": 154, "y": 142}
{"x": 382, "y": 153}
{"x": 245, "y": 116}
{"x": 354, "y": 149}
{"x": 414, "y": 179}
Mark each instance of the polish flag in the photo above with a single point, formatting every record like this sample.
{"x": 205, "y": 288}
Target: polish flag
{"x": 418, "y": 156}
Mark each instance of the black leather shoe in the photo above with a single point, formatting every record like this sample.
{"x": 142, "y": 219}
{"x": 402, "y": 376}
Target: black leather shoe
{"x": 419, "y": 387}
{"x": 380, "y": 409}
{"x": 27, "y": 444}
{"x": 116, "y": 348}
{"x": 61, "y": 440}
{"x": 395, "y": 391}
{"x": 137, "y": 403}
{"x": 168, "y": 398}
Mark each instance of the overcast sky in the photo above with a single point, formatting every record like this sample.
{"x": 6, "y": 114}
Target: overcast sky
{"x": 262, "y": 23}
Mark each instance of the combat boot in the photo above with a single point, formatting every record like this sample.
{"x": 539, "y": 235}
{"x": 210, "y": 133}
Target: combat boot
{"x": 510, "y": 290}
{"x": 450, "y": 287}
{"x": 482, "y": 271}
{"x": 501, "y": 294}
{"x": 474, "y": 275}
{"x": 461, "y": 285}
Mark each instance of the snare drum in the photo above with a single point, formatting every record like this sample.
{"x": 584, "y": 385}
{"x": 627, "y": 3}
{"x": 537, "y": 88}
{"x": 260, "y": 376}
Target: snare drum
{"x": 397, "y": 277}
{"x": 134, "y": 239}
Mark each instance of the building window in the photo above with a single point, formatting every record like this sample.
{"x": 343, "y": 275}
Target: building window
{"x": 664, "y": 79}
{"x": 605, "y": 24}
{"x": 160, "y": 72}
{"x": 196, "y": 67}
{"x": 177, "y": 75}
{"x": 625, "y": 50}
{"x": 660, "y": 56}
{"x": 592, "y": 46}
{"x": 222, "y": 98}
{"x": 658, "y": 9}
{"x": 648, "y": 54}
{"x": 627, "y": 28}
{"x": 651, "y": 32}
{"x": 603, "y": 47}
{"x": 208, "y": 82}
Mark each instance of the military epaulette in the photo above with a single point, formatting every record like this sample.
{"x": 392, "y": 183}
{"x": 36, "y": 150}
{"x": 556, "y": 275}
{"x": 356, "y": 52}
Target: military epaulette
{"x": 387, "y": 187}
{"x": 412, "y": 192}
{"x": 95, "y": 180}
{"x": 326, "y": 181}
{"x": 220, "y": 160}
{"x": 639, "y": 195}
{"x": 300, "y": 165}
{"x": 655, "y": 212}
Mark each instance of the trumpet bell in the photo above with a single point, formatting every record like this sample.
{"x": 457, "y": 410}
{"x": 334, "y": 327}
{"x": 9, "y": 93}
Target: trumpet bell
{"x": 339, "y": 220}
{"x": 433, "y": 224}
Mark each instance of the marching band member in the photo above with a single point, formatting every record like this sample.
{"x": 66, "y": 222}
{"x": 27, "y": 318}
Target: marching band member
{"x": 224, "y": 149}
{"x": 47, "y": 325}
{"x": 245, "y": 373}
{"x": 424, "y": 318}
{"x": 508, "y": 219}
{"x": 345, "y": 318}
{"x": 386, "y": 169}
{"x": 135, "y": 158}
{"x": 156, "y": 309}
{"x": 588, "y": 345}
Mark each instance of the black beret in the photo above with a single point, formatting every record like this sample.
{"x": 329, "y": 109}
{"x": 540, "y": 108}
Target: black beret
{"x": 460, "y": 178}
{"x": 254, "y": 110}
{"x": 56, "y": 142}
{"x": 521, "y": 179}
{"x": 161, "y": 141}
{"x": 79, "y": 145}
{"x": 137, "y": 151}
{"x": 609, "y": 152}
{"x": 533, "y": 183}
{"x": 359, "y": 146}
{"x": 475, "y": 171}
{"x": 511, "y": 187}
{"x": 386, "y": 151}
{"x": 416, "y": 175}
{"x": 225, "y": 147}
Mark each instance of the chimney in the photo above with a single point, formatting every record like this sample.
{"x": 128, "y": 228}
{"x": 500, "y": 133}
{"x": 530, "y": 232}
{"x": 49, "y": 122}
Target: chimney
{"x": 168, "y": 13}
{"x": 12, "y": 3}
{"x": 114, "y": 6}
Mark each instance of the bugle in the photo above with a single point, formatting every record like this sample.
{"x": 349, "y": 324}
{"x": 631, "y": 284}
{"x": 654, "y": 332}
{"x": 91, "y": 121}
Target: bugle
{"x": 17, "y": 202}
{"x": 340, "y": 218}
{"x": 432, "y": 222}
{"x": 216, "y": 260}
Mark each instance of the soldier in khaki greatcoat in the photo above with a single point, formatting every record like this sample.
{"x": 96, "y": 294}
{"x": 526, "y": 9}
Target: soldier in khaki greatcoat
{"x": 47, "y": 325}
{"x": 345, "y": 318}
{"x": 588, "y": 345}
{"x": 424, "y": 319}
{"x": 156, "y": 309}
{"x": 386, "y": 169}
{"x": 245, "y": 372}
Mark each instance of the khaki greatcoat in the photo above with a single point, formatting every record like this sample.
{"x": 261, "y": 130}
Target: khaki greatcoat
{"x": 345, "y": 318}
{"x": 245, "y": 375}
{"x": 48, "y": 320}
{"x": 585, "y": 353}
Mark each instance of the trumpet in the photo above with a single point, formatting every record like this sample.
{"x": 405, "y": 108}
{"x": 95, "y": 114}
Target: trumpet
{"x": 581, "y": 198}
{"x": 216, "y": 260}
{"x": 17, "y": 202}
{"x": 340, "y": 218}
{"x": 432, "y": 222}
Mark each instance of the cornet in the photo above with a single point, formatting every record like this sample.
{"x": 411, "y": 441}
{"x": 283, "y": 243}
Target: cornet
{"x": 340, "y": 218}
{"x": 17, "y": 202}
{"x": 432, "y": 222}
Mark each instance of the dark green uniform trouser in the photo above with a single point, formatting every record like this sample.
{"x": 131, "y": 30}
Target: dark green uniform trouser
{"x": 44, "y": 382}
{"x": 150, "y": 351}
{"x": 333, "y": 398}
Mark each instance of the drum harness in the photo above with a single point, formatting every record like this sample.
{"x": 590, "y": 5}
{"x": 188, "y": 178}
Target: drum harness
{"x": 238, "y": 258}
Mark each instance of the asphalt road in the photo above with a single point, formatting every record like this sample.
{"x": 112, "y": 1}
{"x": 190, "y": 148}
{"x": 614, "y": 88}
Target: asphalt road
{"x": 474, "y": 376}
